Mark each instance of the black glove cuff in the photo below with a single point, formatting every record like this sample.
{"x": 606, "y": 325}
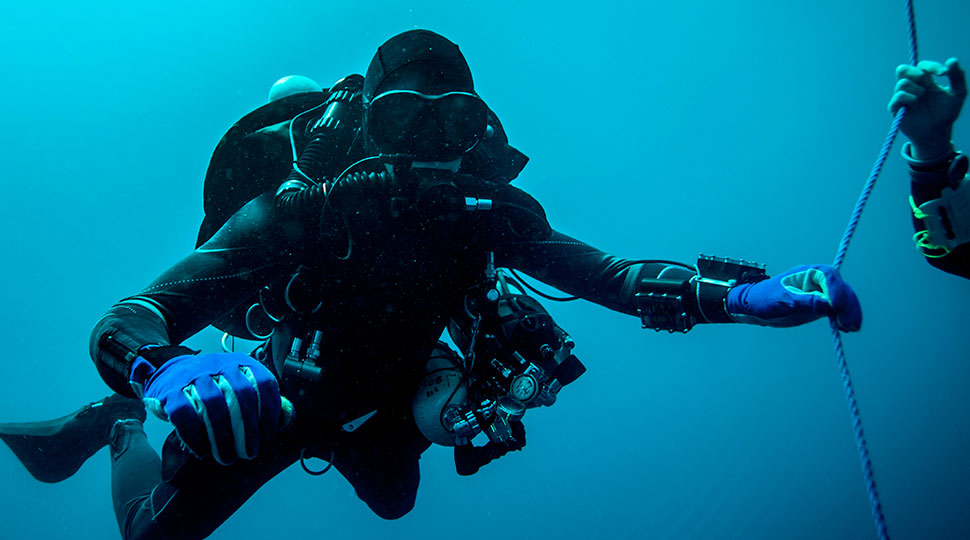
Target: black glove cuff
{"x": 928, "y": 180}
{"x": 711, "y": 297}
{"x": 938, "y": 162}
{"x": 157, "y": 355}
{"x": 931, "y": 172}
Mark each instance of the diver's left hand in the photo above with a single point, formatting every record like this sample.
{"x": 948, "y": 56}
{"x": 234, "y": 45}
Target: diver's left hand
{"x": 469, "y": 459}
{"x": 221, "y": 404}
{"x": 931, "y": 109}
{"x": 800, "y": 295}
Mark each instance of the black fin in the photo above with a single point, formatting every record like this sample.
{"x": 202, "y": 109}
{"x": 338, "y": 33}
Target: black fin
{"x": 54, "y": 450}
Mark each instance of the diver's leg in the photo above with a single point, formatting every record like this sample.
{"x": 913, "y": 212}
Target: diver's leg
{"x": 53, "y": 450}
{"x": 381, "y": 462}
{"x": 388, "y": 484}
{"x": 202, "y": 495}
{"x": 135, "y": 471}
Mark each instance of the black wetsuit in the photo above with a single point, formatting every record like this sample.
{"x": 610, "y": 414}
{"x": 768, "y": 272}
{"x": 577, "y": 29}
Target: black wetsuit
{"x": 382, "y": 310}
{"x": 927, "y": 184}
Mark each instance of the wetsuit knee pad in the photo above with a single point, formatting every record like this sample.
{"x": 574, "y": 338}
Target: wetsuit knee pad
{"x": 390, "y": 492}
{"x": 391, "y": 508}
{"x": 385, "y": 478}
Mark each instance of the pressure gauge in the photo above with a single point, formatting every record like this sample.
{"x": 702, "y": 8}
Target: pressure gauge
{"x": 524, "y": 388}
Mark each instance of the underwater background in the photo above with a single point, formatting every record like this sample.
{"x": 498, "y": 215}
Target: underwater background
{"x": 655, "y": 130}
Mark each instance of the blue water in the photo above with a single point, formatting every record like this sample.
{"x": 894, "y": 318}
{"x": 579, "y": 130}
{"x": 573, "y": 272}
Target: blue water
{"x": 738, "y": 128}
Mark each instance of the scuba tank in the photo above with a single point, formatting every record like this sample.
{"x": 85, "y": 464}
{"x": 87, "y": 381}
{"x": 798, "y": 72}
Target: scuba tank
{"x": 442, "y": 394}
{"x": 250, "y": 160}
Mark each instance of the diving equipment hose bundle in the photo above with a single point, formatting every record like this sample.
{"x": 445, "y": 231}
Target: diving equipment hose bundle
{"x": 514, "y": 357}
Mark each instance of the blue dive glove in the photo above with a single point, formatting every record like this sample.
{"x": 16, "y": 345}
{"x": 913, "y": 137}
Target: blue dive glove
{"x": 220, "y": 404}
{"x": 800, "y": 295}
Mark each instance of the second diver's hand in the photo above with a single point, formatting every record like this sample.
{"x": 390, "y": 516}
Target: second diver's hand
{"x": 931, "y": 109}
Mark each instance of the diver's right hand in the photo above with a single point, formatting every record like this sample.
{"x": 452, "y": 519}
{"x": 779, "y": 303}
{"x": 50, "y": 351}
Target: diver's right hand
{"x": 931, "y": 109}
{"x": 221, "y": 404}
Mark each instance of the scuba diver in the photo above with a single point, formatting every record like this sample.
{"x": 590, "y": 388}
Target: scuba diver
{"x": 347, "y": 229}
{"x": 940, "y": 187}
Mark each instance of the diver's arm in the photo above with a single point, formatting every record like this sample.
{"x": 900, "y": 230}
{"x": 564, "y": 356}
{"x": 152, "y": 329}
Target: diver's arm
{"x": 581, "y": 270}
{"x": 940, "y": 191}
{"x": 526, "y": 242}
{"x": 674, "y": 298}
{"x": 247, "y": 253}
{"x": 667, "y": 296}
